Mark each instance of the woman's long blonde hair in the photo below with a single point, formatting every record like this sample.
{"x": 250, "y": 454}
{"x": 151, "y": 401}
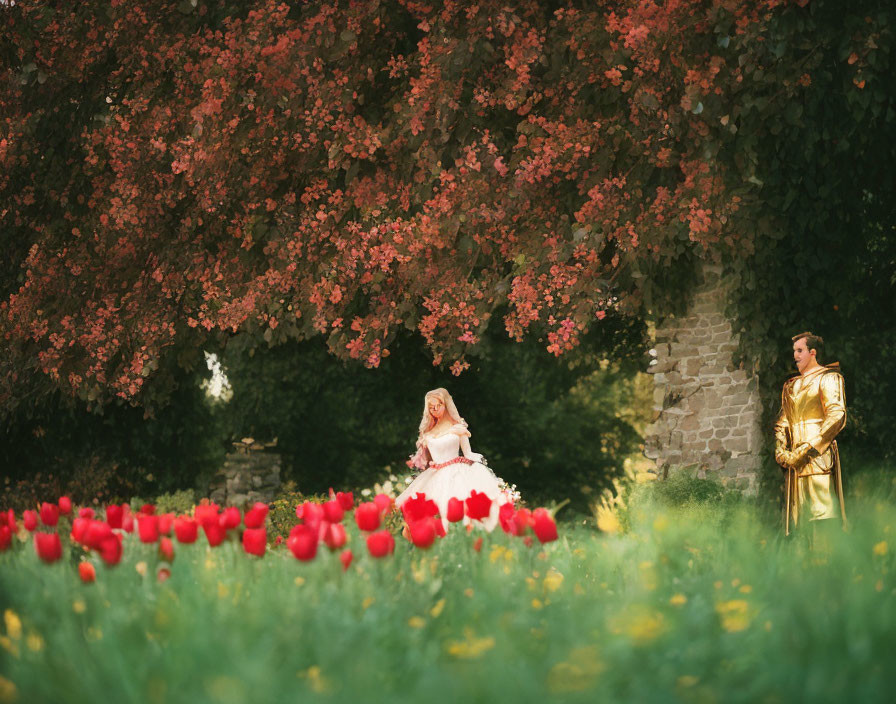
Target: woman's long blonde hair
{"x": 427, "y": 422}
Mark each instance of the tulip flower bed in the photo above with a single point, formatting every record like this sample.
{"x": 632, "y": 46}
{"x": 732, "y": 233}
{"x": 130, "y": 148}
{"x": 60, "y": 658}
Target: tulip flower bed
{"x": 692, "y": 604}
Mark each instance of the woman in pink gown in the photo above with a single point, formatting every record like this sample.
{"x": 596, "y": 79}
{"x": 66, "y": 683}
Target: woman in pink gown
{"x": 450, "y": 468}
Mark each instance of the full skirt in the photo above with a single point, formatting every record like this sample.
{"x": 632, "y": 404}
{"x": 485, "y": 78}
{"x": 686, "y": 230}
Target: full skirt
{"x": 458, "y": 481}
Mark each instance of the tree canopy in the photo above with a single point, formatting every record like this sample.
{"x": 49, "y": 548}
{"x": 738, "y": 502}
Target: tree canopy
{"x": 172, "y": 175}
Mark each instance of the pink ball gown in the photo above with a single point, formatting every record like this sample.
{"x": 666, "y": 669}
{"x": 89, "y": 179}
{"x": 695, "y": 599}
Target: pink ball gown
{"x": 452, "y": 475}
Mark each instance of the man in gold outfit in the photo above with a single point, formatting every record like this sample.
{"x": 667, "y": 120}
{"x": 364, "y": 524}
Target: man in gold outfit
{"x": 813, "y": 411}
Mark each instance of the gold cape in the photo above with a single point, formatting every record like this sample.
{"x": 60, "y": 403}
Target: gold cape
{"x": 813, "y": 411}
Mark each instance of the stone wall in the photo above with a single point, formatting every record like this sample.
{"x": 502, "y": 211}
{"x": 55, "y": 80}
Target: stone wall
{"x": 246, "y": 478}
{"x": 706, "y": 412}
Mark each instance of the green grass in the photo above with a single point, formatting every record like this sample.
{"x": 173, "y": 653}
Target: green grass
{"x": 699, "y": 602}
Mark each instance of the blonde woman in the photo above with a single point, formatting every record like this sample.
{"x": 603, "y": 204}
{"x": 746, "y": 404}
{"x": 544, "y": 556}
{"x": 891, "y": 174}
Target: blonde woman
{"x": 450, "y": 468}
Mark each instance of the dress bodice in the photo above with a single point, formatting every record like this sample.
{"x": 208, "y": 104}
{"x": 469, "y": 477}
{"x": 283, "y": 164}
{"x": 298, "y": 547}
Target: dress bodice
{"x": 444, "y": 447}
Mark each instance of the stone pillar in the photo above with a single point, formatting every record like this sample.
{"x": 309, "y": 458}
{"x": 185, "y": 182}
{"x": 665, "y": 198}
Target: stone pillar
{"x": 247, "y": 478}
{"x": 707, "y": 413}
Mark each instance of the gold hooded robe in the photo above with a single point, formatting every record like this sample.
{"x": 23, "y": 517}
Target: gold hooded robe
{"x": 813, "y": 411}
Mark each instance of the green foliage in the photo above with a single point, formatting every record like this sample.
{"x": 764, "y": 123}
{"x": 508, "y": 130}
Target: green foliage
{"x": 282, "y": 515}
{"x": 118, "y": 453}
{"x": 86, "y": 480}
{"x": 819, "y": 133}
{"x": 179, "y": 502}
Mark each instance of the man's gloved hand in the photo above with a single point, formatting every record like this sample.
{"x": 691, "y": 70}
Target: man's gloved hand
{"x": 794, "y": 459}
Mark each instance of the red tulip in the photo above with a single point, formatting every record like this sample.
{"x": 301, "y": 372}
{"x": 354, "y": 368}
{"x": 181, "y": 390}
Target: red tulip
{"x": 65, "y": 505}
{"x": 163, "y": 574}
{"x": 278, "y": 541}
{"x": 418, "y": 508}
{"x": 8, "y": 518}
{"x": 185, "y": 529}
{"x": 543, "y": 525}
{"x": 29, "y": 517}
{"x": 127, "y": 520}
{"x": 302, "y": 542}
{"x": 114, "y": 515}
{"x": 49, "y": 514}
{"x": 523, "y": 521}
{"x": 79, "y": 529}
{"x": 166, "y": 521}
{"x": 311, "y": 513}
{"x": 346, "y": 500}
{"x": 85, "y": 512}
{"x": 383, "y": 503}
{"x": 95, "y": 533}
{"x": 333, "y": 511}
{"x": 477, "y": 546}
{"x": 478, "y": 505}
{"x": 166, "y": 549}
{"x": 148, "y": 510}
{"x": 505, "y": 518}
{"x": 335, "y": 536}
{"x": 230, "y": 518}
{"x": 148, "y": 527}
{"x": 206, "y": 513}
{"x": 111, "y": 549}
{"x": 455, "y": 510}
{"x": 48, "y": 546}
{"x": 380, "y": 543}
{"x": 423, "y": 533}
{"x": 87, "y": 572}
{"x": 5, "y": 537}
{"x": 255, "y": 540}
{"x": 255, "y": 516}
{"x": 367, "y": 516}
{"x": 215, "y": 533}
{"x": 345, "y": 558}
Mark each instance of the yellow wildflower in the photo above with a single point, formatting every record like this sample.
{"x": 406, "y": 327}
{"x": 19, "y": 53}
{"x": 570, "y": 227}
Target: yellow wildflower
{"x": 468, "y": 592}
{"x": 299, "y": 581}
{"x": 881, "y": 548}
{"x": 368, "y": 600}
{"x": 745, "y": 589}
{"x": 13, "y": 624}
{"x": 34, "y": 642}
{"x": 578, "y": 672}
{"x": 419, "y": 572}
{"x": 78, "y": 606}
{"x": 735, "y": 615}
{"x": 436, "y": 610}
{"x": 607, "y": 520}
{"x": 223, "y": 590}
{"x": 8, "y": 692}
{"x": 316, "y": 680}
{"x": 578, "y": 589}
{"x": 141, "y": 568}
{"x": 678, "y": 600}
{"x": 536, "y": 604}
{"x": 416, "y": 622}
{"x": 640, "y": 623}
{"x": 661, "y": 523}
{"x": 471, "y": 647}
{"x": 552, "y": 580}
{"x": 687, "y": 681}
{"x": 94, "y": 633}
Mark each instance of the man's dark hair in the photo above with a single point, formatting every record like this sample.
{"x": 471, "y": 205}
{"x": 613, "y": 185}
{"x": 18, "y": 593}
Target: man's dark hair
{"x": 813, "y": 342}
